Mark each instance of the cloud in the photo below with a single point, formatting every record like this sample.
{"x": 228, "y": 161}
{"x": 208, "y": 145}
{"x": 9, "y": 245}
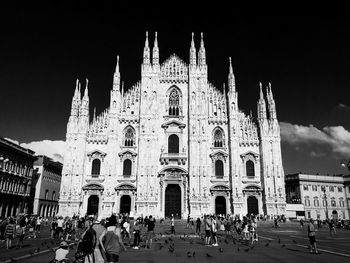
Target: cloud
{"x": 342, "y": 106}
{"x": 337, "y": 138}
{"x": 13, "y": 141}
{"x": 53, "y": 149}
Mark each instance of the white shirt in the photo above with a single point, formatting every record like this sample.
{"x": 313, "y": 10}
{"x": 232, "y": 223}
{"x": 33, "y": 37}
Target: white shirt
{"x": 126, "y": 225}
{"x": 60, "y": 222}
{"x": 61, "y": 253}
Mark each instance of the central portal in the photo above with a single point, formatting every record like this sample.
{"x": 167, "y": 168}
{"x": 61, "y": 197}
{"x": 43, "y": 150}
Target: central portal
{"x": 173, "y": 201}
{"x": 92, "y": 208}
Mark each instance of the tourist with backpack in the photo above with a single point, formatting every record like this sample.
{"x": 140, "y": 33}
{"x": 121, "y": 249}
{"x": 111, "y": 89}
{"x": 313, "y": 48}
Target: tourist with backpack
{"x": 111, "y": 242}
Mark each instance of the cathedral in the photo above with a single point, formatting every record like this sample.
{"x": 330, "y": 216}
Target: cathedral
{"x": 172, "y": 144}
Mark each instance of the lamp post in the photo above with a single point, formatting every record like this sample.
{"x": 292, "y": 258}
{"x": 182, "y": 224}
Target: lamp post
{"x": 325, "y": 198}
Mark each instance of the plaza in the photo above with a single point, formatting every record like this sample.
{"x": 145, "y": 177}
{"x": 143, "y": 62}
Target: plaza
{"x": 287, "y": 243}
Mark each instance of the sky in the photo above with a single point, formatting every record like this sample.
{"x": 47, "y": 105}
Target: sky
{"x": 302, "y": 49}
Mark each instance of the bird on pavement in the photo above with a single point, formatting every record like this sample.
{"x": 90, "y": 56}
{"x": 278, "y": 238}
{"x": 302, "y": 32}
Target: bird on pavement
{"x": 189, "y": 254}
{"x": 283, "y": 245}
{"x": 267, "y": 244}
{"x": 226, "y": 241}
{"x": 247, "y": 249}
{"x": 209, "y": 256}
{"x": 238, "y": 249}
{"x": 221, "y": 250}
{"x": 166, "y": 241}
{"x": 194, "y": 254}
{"x": 279, "y": 241}
{"x": 294, "y": 241}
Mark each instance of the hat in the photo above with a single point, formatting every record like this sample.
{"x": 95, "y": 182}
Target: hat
{"x": 64, "y": 244}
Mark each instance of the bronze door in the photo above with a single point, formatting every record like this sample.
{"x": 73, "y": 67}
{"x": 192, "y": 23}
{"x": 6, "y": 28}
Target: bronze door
{"x": 173, "y": 201}
{"x": 253, "y": 207}
{"x": 93, "y": 205}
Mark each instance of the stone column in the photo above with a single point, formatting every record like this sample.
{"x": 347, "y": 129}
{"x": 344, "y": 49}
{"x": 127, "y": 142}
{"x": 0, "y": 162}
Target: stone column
{"x": 85, "y": 204}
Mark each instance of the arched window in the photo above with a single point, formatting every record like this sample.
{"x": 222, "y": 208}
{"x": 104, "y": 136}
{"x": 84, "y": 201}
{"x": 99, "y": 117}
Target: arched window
{"x": 54, "y": 195}
{"x": 219, "y": 169}
{"x": 173, "y": 144}
{"x": 129, "y": 138}
{"x": 127, "y": 165}
{"x": 46, "y": 194}
{"x": 174, "y": 103}
{"x": 250, "y": 168}
{"x": 218, "y": 138}
{"x": 96, "y": 166}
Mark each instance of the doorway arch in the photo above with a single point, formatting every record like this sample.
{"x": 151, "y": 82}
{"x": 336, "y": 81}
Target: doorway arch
{"x": 173, "y": 201}
{"x": 93, "y": 205}
{"x": 125, "y": 204}
{"x": 220, "y": 205}
{"x": 252, "y": 204}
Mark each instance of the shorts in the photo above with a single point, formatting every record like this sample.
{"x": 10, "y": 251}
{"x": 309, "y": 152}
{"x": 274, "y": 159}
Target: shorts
{"x": 150, "y": 234}
{"x": 207, "y": 233}
{"x": 213, "y": 234}
{"x": 312, "y": 240}
{"x": 112, "y": 257}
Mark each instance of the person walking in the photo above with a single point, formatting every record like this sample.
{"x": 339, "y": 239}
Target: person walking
{"x": 111, "y": 242}
{"x": 99, "y": 227}
{"x": 9, "y": 233}
{"x": 207, "y": 224}
{"x": 214, "y": 229}
{"x": 311, "y": 232}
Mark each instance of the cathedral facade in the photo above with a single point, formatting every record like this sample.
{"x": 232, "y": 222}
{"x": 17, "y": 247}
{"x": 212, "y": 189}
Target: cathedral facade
{"x": 172, "y": 144}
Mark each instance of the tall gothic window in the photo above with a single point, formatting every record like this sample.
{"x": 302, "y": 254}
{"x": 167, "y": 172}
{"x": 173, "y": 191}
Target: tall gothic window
{"x": 173, "y": 144}
{"x": 96, "y": 166}
{"x": 219, "y": 169}
{"x": 218, "y": 138}
{"x": 174, "y": 103}
{"x": 127, "y": 165}
{"x": 129, "y": 138}
{"x": 250, "y": 168}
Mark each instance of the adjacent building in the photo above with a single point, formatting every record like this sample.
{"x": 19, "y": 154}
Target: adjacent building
{"x": 16, "y": 171}
{"x": 173, "y": 143}
{"x": 323, "y": 196}
{"x": 47, "y": 182}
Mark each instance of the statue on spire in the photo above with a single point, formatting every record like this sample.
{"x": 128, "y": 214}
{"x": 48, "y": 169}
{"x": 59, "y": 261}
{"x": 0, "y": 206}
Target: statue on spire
{"x": 155, "y": 55}
{"x": 146, "y": 52}
{"x": 193, "y": 58}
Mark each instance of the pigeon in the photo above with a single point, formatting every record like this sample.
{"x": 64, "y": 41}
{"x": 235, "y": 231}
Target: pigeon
{"x": 226, "y": 241}
{"x": 171, "y": 249}
{"x": 191, "y": 242}
{"x": 247, "y": 249}
{"x": 294, "y": 241}
{"x": 170, "y": 239}
{"x": 238, "y": 249}
{"x": 160, "y": 247}
{"x": 221, "y": 250}
{"x": 279, "y": 241}
{"x": 267, "y": 244}
{"x": 209, "y": 256}
{"x": 194, "y": 254}
{"x": 283, "y": 245}
{"x": 166, "y": 241}
{"x": 189, "y": 254}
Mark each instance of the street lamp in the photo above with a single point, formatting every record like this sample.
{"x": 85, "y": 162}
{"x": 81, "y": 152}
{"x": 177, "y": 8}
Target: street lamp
{"x": 345, "y": 163}
{"x": 325, "y": 198}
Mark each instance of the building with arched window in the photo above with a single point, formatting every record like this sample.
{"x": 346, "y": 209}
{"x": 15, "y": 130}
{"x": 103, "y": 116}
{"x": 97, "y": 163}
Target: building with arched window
{"x": 47, "y": 180}
{"x": 173, "y": 143}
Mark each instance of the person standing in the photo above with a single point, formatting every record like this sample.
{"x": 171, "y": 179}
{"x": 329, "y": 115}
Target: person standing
{"x": 99, "y": 228}
{"x": 150, "y": 231}
{"x": 311, "y": 232}
{"x": 137, "y": 231}
{"x": 207, "y": 223}
{"x": 214, "y": 229}
{"x": 301, "y": 221}
{"x": 172, "y": 224}
{"x": 198, "y": 226}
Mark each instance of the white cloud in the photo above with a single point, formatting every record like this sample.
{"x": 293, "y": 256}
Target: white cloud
{"x": 13, "y": 141}
{"x": 53, "y": 149}
{"x": 336, "y": 137}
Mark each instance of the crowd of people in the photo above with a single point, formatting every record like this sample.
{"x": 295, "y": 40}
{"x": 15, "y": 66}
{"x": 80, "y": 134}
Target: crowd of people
{"x": 102, "y": 240}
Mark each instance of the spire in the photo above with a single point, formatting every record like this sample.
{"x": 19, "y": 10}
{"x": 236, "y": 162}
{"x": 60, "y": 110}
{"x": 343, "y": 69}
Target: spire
{"x": 155, "y": 56}
{"x": 224, "y": 89}
{"x": 193, "y": 58}
{"x": 201, "y": 55}
{"x": 116, "y": 77}
{"x": 146, "y": 51}
{"x": 76, "y": 100}
{"x": 86, "y": 92}
{"x": 271, "y": 104}
{"x": 261, "y": 105}
{"x": 94, "y": 117}
{"x": 231, "y": 78}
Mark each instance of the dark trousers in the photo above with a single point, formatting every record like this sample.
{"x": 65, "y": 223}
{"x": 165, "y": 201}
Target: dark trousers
{"x": 173, "y": 229}
{"x": 137, "y": 238}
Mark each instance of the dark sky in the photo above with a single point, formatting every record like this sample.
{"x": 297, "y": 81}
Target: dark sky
{"x": 304, "y": 50}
